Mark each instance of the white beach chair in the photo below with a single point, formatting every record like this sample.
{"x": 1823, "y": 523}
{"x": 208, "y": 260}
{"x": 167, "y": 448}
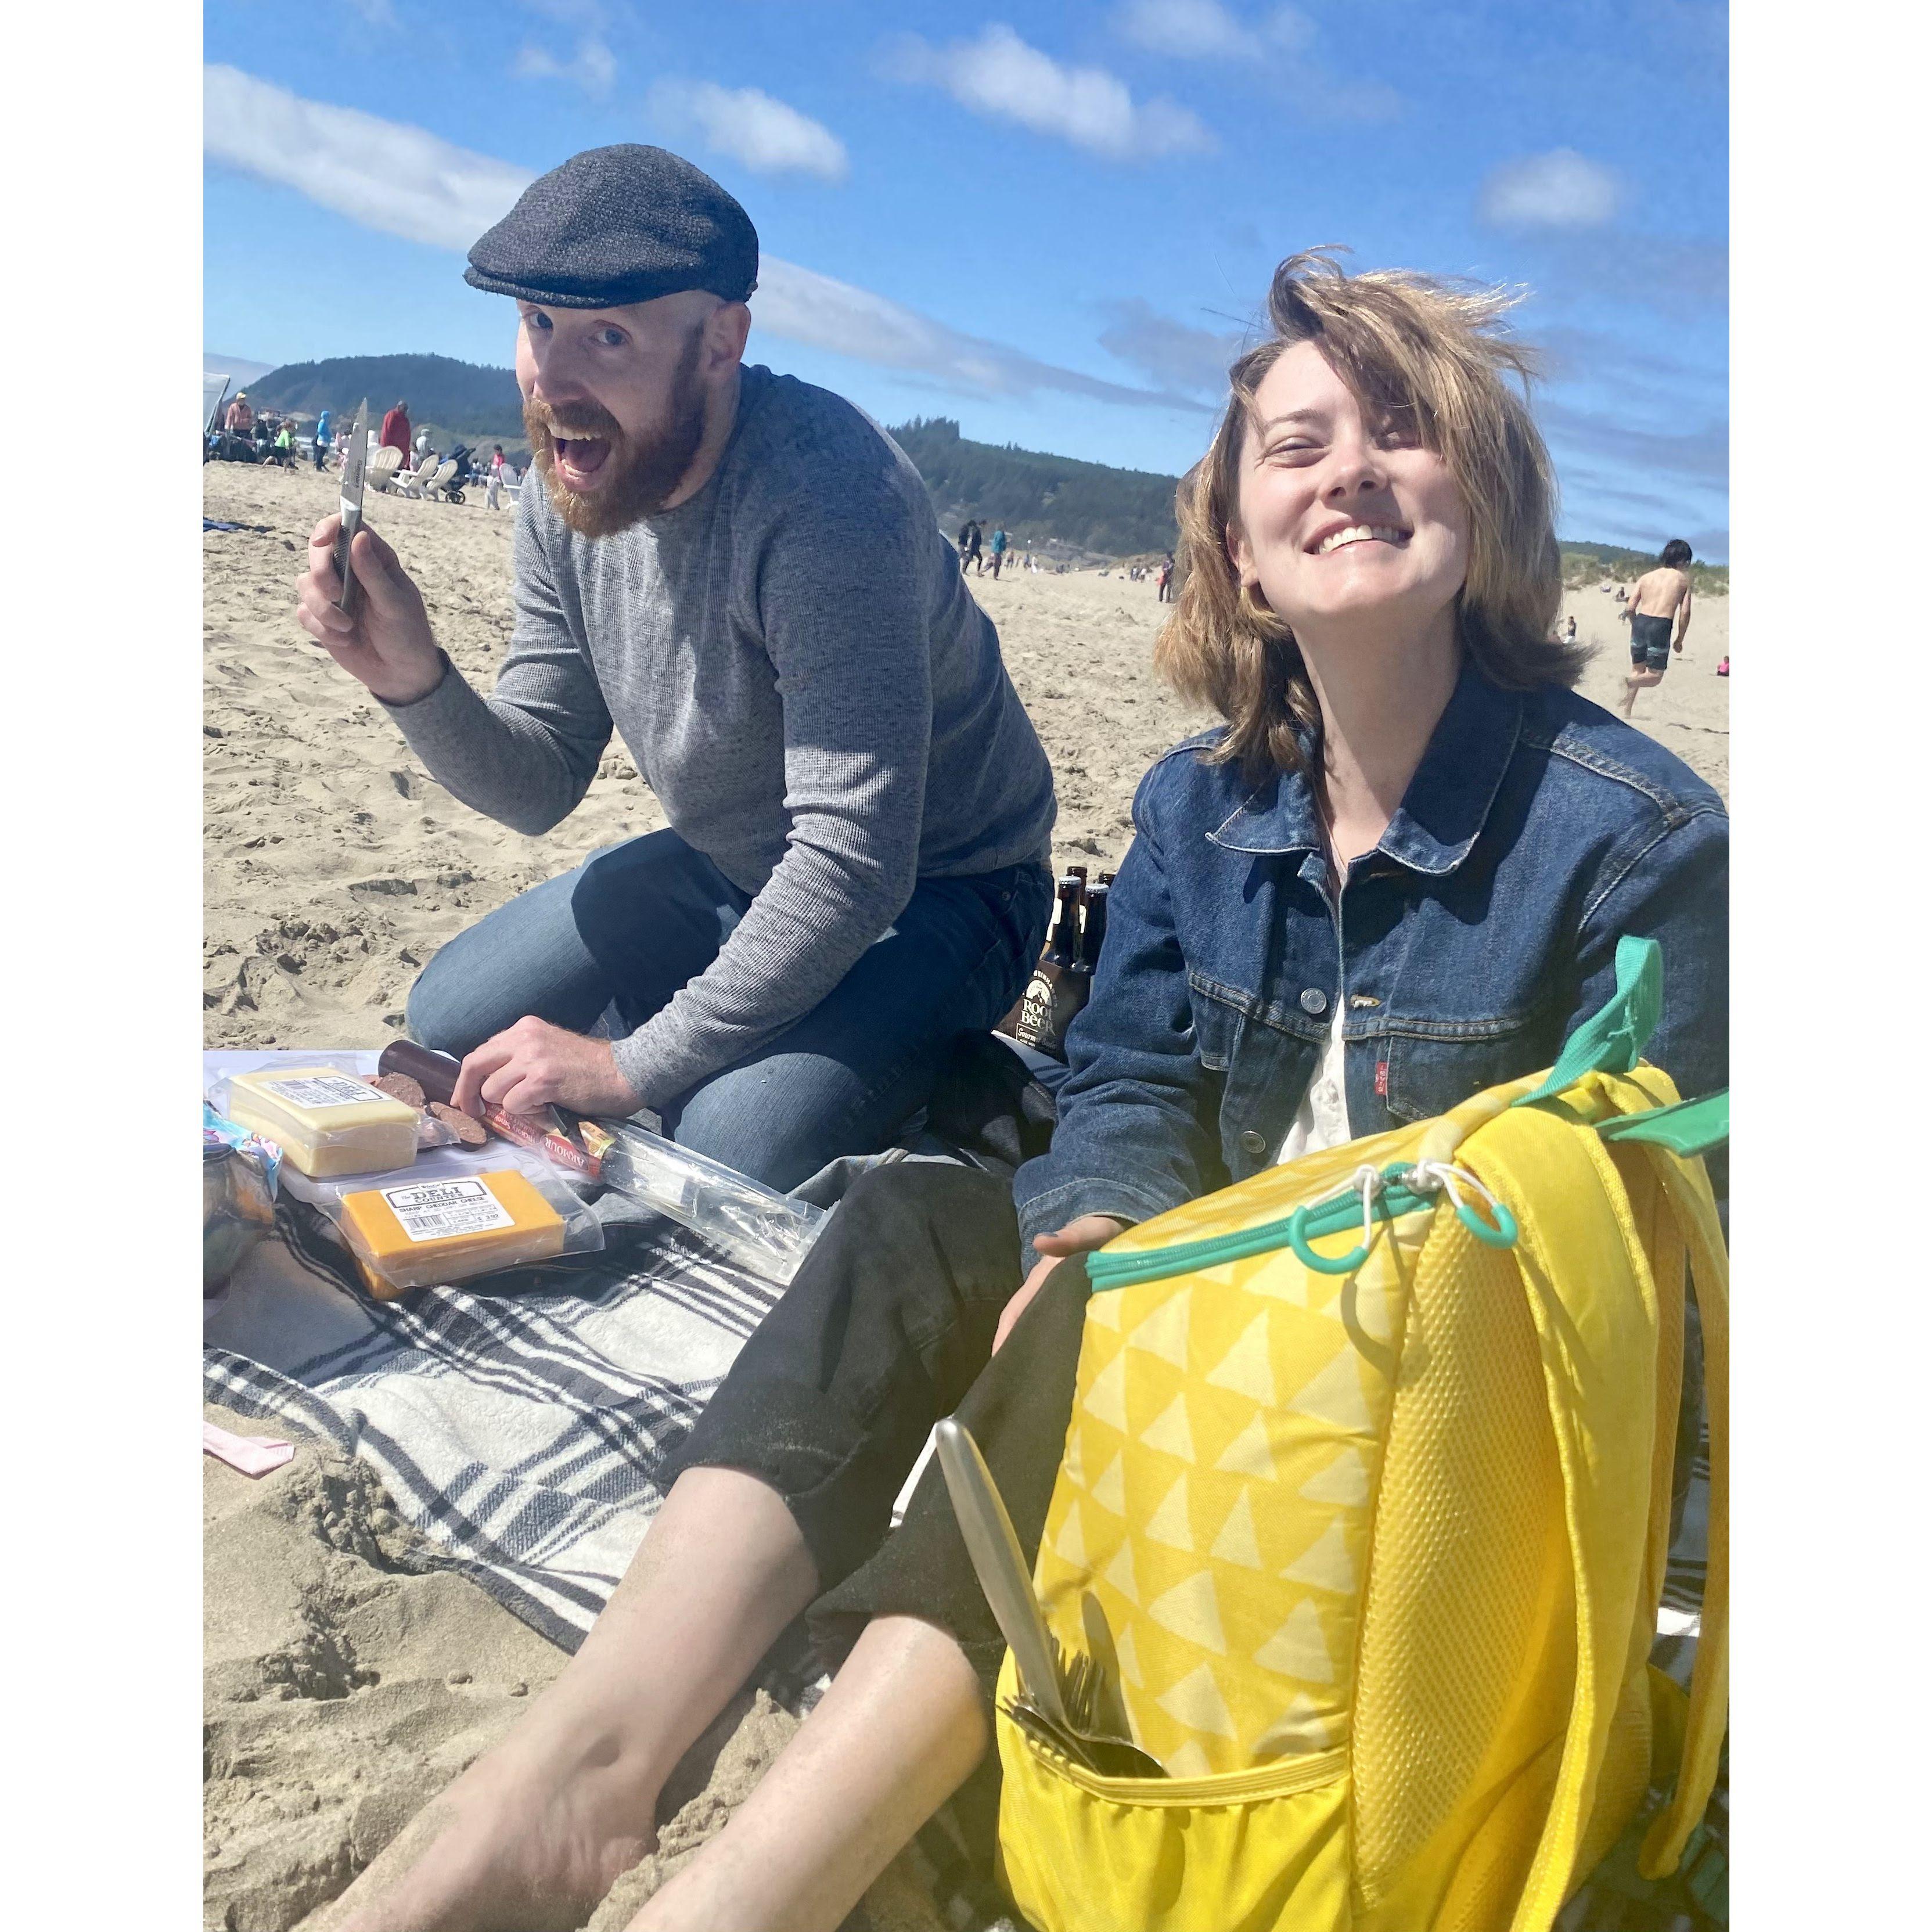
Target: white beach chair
{"x": 383, "y": 464}
{"x": 411, "y": 482}
{"x": 435, "y": 486}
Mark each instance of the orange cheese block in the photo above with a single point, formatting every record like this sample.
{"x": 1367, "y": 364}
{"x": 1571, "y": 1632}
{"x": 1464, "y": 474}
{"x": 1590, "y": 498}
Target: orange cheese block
{"x": 421, "y": 1233}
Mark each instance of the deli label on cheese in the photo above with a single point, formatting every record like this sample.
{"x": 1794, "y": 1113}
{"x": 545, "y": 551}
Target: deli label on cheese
{"x": 330, "y": 1090}
{"x": 432, "y": 1210}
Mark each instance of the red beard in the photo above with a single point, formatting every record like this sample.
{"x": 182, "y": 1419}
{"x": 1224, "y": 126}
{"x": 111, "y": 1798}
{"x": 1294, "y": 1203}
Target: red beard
{"x": 641, "y": 475}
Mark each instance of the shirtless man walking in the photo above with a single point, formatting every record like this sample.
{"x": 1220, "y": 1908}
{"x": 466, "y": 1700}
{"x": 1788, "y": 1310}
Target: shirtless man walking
{"x": 1659, "y": 612}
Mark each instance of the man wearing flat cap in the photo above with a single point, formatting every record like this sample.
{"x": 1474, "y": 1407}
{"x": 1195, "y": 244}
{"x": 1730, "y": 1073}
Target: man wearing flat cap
{"x": 742, "y": 575}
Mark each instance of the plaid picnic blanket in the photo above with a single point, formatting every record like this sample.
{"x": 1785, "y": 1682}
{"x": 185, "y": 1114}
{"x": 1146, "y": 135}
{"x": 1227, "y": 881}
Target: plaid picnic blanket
{"x": 520, "y": 1422}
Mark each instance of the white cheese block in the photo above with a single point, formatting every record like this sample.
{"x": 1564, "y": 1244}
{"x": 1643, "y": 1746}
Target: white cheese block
{"x": 325, "y": 1122}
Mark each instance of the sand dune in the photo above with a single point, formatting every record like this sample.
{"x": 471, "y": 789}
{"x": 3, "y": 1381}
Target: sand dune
{"x": 344, "y": 1684}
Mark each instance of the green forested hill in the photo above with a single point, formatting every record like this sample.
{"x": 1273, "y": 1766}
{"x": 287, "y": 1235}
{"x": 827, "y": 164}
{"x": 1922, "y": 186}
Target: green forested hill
{"x": 467, "y": 397}
{"x": 1050, "y": 501}
{"x": 1040, "y": 499}
{"x": 1587, "y": 563}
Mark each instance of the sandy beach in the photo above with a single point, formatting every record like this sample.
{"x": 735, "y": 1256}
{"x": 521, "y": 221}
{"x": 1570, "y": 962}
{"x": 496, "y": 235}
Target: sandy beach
{"x": 345, "y": 1684}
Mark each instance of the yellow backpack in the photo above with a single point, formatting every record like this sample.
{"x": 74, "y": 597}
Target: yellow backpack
{"x": 1376, "y": 1541}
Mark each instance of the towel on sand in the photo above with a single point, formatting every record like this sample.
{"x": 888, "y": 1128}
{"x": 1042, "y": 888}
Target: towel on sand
{"x": 519, "y": 1421}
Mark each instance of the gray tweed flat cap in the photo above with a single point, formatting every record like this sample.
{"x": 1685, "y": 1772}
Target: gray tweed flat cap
{"x": 617, "y": 225}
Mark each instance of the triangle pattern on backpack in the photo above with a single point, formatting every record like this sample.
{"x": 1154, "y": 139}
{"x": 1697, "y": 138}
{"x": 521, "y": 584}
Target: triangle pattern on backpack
{"x": 1301, "y": 1727}
{"x": 1107, "y": 1397}
{"x": 1246, "y": 1368}
{"x": 1109, "y": 1489}
{"x": 1196, "y": 1703}
{"x": 1169, "y": 1524}
{"x": 1069, "y": 1543}
{"x": 1344, "y": 1481}
{"x": 1250, "y": 1453}
{"x": 1164, "y": 1332}
{"x": 1169, "y": 1432}
{"x": 1335, "y": 1395}
{"x": 1191, "y": 1610}
{"x": 1236, "y": 1542}
{"x": 1299, "y": 1648}
{"x": 1120, "y": 1573}
{"x": 1325, "y": 1563}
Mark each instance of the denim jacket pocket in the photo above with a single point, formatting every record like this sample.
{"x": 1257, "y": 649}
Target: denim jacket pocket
{"x": 1219, "y": 1020}
{"x": 1433, "y": 1068}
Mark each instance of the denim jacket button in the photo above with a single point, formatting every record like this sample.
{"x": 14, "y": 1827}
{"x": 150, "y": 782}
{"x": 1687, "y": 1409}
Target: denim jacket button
{"x": 1313, "y": 1000}
{"x": 1254, "y": 1142}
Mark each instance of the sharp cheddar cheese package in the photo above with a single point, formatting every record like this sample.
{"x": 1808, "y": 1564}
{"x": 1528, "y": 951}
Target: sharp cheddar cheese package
{"x": 455, "y": 1214}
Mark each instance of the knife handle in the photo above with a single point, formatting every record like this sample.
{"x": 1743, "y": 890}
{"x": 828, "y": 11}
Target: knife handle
{"x": 995, "y": 1551}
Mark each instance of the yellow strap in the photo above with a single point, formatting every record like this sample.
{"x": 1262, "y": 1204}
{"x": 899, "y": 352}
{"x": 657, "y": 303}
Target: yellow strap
{"x": 1690, "y": 1193}
{"x": 1581, "y": 1258}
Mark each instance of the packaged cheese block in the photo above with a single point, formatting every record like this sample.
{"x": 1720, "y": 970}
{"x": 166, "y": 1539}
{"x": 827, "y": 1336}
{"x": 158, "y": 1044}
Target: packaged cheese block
{"x": 325, "y": 1121}
{"x": 419, "y": 1233}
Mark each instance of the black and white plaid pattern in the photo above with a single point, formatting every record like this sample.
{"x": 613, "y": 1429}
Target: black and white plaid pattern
{"x": 519, "y": 1423}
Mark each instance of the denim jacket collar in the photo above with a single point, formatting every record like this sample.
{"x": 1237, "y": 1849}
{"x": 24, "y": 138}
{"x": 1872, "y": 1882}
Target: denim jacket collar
{"x": 1442, "y": 813}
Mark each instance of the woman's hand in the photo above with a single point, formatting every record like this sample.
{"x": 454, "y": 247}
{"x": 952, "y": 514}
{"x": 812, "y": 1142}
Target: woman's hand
{"x": 1080, "y": 1236}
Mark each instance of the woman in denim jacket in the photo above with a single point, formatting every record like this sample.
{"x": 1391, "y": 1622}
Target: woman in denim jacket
{"x": 1396, "y": 874}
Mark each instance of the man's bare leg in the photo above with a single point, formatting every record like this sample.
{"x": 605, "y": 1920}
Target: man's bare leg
{"x": 534, "y": 1832}
{"x": 902, "y": 1726}
{"x": 1638, "y": 680}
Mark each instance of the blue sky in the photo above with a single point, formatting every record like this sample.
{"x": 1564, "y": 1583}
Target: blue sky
{"x": 1054, "y": 222}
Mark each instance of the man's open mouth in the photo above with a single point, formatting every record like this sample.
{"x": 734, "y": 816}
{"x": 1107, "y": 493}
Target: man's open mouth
{"x": 580, "y": 460}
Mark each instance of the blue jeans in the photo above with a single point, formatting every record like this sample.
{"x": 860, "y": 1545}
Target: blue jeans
{"x": 635, "y": 922}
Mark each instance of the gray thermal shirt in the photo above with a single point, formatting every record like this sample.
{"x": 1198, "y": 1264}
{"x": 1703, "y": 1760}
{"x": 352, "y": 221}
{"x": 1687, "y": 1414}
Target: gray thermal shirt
{"x": 795, "y": 663}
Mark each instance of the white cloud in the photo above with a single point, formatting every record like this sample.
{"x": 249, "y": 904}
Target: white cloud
{"x": 1561, "y": 189}
{"x": 1277, "y": 48}
{"x": 748, "y": 125}
{"x": 1176, "y": 355}
{"x": 594, "y": 69}
{"x": 387, "y": 175}
{"x": 403, "y": 181}
{"x": 1000, "y": 75}
{"x": 1206, "y": 30}
{"x": 377, "y": 12}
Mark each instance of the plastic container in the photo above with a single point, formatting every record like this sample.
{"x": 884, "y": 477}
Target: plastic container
{"x": 455, "y": 1213}
{"x": 326, "y": 1121}
{"x": 765, "y": 1230}
{"x": 238, "y": 1196}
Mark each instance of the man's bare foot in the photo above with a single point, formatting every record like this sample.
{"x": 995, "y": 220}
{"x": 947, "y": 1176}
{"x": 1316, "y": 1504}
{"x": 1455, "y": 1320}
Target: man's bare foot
{"x": 528, "y": 1839}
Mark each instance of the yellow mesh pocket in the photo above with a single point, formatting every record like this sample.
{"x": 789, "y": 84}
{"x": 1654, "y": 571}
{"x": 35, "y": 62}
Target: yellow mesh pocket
{"x": 1468, "y": 1646}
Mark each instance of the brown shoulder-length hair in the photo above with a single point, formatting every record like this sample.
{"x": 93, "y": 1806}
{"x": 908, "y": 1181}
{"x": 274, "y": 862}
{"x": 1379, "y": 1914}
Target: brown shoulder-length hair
{"x": 1424, "y": 354}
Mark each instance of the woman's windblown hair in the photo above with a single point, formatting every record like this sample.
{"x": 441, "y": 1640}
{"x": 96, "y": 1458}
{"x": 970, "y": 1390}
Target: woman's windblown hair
{"x": 1435, "y": 358}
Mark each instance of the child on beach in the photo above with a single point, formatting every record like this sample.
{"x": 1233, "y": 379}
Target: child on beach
{"x": 1370, "y": 578}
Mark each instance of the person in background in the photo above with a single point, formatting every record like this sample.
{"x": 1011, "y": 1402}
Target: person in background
{"x": 396, "y": 431}
{"x": 324, "y": 437}
{"x": 285, "y": 445}
{"x": 970, "y": 538}
{"x": 422, "y": 444}
{"x": 493, "y": 479}
{"x": 1409, "y": 842}
{"x": 1659, "y": 615}
{"x": 1163, "y": 582}
{"x": 240, "y": 419}
{"x": 1000, "y": 541}
{"x": 1570, "y": 632}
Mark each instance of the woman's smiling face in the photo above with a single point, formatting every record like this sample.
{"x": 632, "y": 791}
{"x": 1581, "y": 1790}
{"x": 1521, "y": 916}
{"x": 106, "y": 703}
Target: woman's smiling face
{"x": 1340, "y": 515}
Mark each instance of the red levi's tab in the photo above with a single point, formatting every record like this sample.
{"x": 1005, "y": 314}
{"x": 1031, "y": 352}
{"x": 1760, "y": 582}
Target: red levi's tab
{"x": 1381, "y": 1079}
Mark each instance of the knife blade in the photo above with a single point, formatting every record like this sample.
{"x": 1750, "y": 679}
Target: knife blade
{"x": 355, "y": 475}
